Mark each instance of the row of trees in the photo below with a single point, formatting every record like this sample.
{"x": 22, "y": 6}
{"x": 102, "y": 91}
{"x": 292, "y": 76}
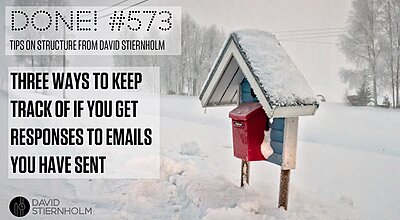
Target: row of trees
{"x": 186, "y": 73}
{"x": 183, "y": 74}
{"x": 372, "y": 44}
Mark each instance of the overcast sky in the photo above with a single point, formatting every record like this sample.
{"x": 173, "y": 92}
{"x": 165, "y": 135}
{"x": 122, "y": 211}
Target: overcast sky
{"x": 319, "y": 62}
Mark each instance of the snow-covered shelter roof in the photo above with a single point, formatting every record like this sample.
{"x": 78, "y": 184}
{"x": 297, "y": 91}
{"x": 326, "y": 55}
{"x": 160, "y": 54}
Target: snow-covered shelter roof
{"x": 257, "y": 56}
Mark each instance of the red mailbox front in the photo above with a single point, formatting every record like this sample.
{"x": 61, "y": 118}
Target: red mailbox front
{"x": 248, "y": 124}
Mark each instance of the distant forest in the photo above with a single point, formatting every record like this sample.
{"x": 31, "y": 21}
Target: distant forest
{"x": 184, "y": 74}
{"x": 372, "y": 44}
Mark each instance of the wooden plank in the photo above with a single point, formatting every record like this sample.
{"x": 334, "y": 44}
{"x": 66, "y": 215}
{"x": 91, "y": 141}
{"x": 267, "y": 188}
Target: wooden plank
{"x": 209, "y": 90}
{"x": 225, "y": 79}
{"x": 232, "y": 88}
{"x": 278, "y": 147}
{"x": 290, "y": 143}
{"x": 294, "y": 111}
{"x": 275, "y": 159}
{"x": 277, "y": 135}
{"x": 278, "y": 124}
{"x": 230, "y": 85}
{"x": 234, "y": 97}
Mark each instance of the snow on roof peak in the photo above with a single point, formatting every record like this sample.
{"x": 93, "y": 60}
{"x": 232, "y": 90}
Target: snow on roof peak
{"x": 277, "y": 75}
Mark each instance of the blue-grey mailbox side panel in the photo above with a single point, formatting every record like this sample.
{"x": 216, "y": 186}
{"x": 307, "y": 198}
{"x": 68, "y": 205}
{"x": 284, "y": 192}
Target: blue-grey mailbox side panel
{"x": 277, "y": 135}
{"x": 246, "y": 92}
{"x": 277, "y": 127}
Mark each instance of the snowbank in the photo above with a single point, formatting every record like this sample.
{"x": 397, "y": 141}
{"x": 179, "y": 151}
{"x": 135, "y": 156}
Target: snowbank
{"x": 334, "y": 178}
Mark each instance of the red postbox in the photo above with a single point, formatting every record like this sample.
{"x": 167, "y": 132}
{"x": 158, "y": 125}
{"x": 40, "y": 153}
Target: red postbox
{"x": 248, "y": 124}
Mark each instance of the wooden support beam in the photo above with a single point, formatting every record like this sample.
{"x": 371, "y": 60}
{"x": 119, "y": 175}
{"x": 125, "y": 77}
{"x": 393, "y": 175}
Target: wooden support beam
{"x": 284, "y": 189}
{"x": 245, "y": 175}
{"x": 290, "y": 143}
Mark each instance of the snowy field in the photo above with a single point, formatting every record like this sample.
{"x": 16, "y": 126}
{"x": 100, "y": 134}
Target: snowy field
{"x": 348, "y": 166}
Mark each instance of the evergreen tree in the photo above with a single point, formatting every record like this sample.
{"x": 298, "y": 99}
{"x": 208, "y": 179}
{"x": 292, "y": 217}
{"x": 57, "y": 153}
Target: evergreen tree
{"x": 364, "y": 94}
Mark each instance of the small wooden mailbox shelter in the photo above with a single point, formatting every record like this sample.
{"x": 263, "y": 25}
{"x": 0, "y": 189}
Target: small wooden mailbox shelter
{"x": 255, "y": 59}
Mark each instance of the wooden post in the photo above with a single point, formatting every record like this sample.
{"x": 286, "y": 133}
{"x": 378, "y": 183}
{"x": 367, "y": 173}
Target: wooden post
{"x": 245, "y": 176}
{"x": 284, "y": 189}
{"x": 288, "y": 159}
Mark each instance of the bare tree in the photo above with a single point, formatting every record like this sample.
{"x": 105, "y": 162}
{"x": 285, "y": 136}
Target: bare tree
{"x": 186, "y": 73}
{"x": 362, "y": 42}
{"x": 372, "y": 44}
{"x": 396, "y": 13}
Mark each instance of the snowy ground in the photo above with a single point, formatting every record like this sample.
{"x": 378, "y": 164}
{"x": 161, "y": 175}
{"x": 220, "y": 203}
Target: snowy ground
{"x": 348, "y": 168}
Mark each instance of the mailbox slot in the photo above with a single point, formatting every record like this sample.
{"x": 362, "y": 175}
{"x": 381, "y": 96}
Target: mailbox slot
{"x": 238, "y": 124}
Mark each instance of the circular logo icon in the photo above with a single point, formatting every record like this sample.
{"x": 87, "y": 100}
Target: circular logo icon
{"x": 19, "y": 206}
